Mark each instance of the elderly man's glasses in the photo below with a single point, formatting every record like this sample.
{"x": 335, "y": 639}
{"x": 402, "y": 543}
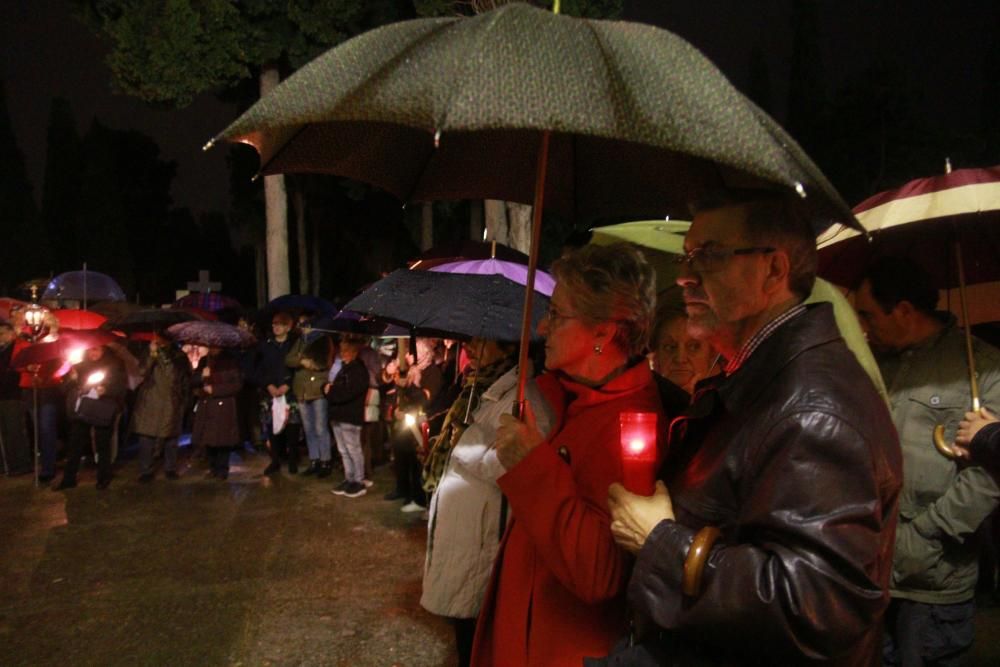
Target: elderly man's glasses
{"x": 706, "y": 259}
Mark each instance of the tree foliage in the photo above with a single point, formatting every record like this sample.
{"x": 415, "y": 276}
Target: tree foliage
{"x": 168, "y": 52}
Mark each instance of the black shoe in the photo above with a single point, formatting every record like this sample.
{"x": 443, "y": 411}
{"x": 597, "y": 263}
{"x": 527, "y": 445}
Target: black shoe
{"x": 145, "y": 478}
{"x": 222, "y": 476}
{"x": 63, "y": 485}
{"x": 325, "y": 470}
{"x": 272, "y": 468}
{"x": 171, "y": 475}
{"x": 103, "y": 484}
{"x": 210, "y": 474}
{"x": 293, "y": 468}
{"x": 341, "y": 488}
{"x": 45, "y": 479}
{"x": 394, "y": 495}
{"x": 312, "y": 469}
{"x": 355, "y": 489}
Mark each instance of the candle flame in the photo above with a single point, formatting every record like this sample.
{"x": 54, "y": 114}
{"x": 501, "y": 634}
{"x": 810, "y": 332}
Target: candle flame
{"x": 75, "y": 356}
{"x": 636, "y": 446}
{"x": 96, "y": 377}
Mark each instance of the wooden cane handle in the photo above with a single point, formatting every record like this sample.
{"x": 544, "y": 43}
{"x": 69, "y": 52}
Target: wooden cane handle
{"x": 694, "y": 564}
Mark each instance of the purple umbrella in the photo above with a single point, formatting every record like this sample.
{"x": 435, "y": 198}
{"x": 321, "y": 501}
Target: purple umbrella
{"x": 544, "y": 283}
{"x": 211, "y": 334}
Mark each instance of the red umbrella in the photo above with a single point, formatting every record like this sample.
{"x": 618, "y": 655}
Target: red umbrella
{"x": 949, "y": 224}
{"x": 64, "y": 349}
{"x": 7, "y": 305}
{"x": 78, "y": 319}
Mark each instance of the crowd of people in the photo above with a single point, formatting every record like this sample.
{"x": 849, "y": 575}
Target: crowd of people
{"x": 802, "y": 512}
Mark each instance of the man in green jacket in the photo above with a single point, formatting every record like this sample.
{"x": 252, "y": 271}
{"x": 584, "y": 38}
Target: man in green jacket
{"x": 922, "y": 357}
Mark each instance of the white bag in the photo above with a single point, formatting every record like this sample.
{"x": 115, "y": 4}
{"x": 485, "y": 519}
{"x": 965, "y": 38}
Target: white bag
{"x": 279, "y": 414}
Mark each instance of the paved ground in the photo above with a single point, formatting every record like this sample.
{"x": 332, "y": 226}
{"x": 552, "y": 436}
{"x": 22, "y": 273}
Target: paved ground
{"x": 252, "y": 571}
{"x": 197, "y": 572}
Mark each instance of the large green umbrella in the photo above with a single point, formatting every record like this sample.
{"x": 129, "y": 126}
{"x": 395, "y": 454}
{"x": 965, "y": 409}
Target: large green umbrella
{"x": 633, "y": 119}
{"x": 454, "y": 108}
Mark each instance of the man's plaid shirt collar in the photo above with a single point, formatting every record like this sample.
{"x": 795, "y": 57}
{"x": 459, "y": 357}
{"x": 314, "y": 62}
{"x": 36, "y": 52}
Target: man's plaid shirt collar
{"x": 748, "y": 348}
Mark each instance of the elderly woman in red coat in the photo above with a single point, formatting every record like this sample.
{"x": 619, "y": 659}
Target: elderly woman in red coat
{"x": 557, "y": 591}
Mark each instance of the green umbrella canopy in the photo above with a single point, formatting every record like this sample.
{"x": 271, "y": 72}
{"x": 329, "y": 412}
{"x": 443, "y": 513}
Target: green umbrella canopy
{"x": 454, "y": 108}
{"x": 661, "y": 241}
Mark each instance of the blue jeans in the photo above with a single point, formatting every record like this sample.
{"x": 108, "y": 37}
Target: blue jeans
{"x": 349, "y": 445}
{"x": 313, "y": 415}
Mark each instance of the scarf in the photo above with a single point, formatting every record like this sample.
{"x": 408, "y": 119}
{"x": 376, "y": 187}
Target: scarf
{"x": 473, "y": 386}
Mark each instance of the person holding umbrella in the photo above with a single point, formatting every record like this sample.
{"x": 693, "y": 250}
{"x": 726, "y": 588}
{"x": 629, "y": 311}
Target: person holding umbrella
{"x": 769, "y": 538}
{"x": 160, "y": 402}
{"x": 557, "y": 591}
{"x": 216, "y": 419}
{"x": 95, "y": 392}
{"x": 922, "y": 355}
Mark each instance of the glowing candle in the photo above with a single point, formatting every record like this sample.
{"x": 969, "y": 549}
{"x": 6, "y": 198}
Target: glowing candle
{"x": 638, "y": 438}
{"x": 96, "y": 377}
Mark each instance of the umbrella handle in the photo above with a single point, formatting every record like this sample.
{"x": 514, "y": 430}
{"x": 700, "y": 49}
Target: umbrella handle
{"x": 946, "y": 448}
{"x": 943, "y": 446}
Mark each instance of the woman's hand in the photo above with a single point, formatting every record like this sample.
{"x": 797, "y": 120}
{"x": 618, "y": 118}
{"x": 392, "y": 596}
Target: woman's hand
{"x": 516, "y": 438}
{"x": 634, "y": 517}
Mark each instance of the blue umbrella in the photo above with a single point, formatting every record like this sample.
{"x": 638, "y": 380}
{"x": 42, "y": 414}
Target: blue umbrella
{"x": 302, "y": 302}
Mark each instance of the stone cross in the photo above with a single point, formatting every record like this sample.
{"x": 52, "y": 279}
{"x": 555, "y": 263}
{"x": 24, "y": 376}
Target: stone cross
{"x": 204, "y": 284}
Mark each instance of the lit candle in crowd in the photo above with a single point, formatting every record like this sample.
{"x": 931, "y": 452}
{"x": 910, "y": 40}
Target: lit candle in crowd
{"x": 638, "y": 438}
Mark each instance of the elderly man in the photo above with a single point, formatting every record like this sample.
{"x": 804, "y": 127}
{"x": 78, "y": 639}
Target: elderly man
{"x": 774, "y": 542}
{"x": 922, "y": 356}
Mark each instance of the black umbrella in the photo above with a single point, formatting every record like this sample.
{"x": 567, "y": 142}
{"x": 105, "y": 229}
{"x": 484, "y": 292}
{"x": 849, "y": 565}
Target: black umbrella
{"x": 211, "y": 334}
{"x": 148, "y": 320}
{"x": 449, "y": 305}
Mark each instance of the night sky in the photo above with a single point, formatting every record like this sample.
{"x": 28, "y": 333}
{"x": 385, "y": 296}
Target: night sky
{"x": 47, "y": 53}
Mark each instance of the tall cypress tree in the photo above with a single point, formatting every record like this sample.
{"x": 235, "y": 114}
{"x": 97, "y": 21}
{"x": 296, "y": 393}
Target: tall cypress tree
{"x": 61, "y": 189}
{"x": 24, "y": 251}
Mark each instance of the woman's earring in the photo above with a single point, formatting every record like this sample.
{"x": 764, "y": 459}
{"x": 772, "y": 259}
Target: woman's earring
{"x": 597, "y": 349}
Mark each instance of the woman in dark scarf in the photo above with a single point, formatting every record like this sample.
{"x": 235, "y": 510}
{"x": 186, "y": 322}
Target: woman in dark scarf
{"x": 464, "y": 528}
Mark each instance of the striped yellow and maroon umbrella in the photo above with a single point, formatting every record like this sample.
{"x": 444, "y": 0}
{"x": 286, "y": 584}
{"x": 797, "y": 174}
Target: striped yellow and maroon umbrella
{"x": 948, "y": 224}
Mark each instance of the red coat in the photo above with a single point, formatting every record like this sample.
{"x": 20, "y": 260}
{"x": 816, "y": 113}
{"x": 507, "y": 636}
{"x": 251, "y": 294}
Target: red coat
{"x": 557, "y": 589}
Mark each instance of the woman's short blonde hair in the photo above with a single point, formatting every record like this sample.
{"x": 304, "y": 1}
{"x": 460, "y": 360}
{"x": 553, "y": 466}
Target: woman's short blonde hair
{"x": 611, "y": 283}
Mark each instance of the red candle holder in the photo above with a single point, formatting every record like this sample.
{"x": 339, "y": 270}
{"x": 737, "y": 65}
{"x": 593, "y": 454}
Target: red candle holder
{"x": 638, "y": 438}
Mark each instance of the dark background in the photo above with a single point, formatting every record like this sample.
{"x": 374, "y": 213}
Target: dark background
{"x": 877, "y": 92}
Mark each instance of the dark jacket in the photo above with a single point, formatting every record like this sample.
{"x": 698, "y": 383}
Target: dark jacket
{"x": 307, "y": 383}
{"x": 270, "y": 367}
{"x": 795, "y": 458}
{"x": 115, "y": 382}
{"x": 216, "y": 417}
{"x": 162, "y": 397}
{"x": 10, "y": 389}
{"x": 985, "y": 448}
{"x": 347, "y": 394}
